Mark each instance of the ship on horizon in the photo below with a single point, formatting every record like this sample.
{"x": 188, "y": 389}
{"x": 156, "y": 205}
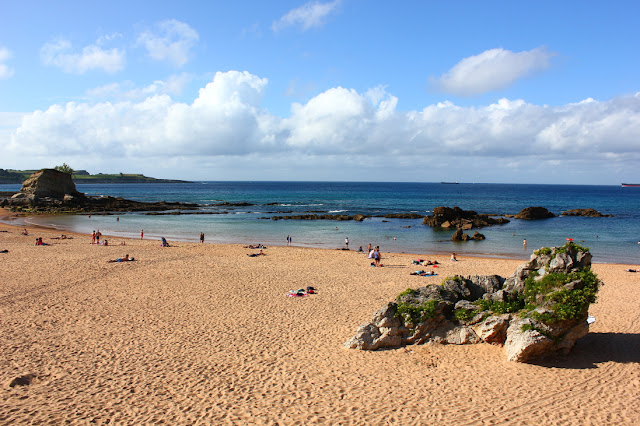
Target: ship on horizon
{"x": 628, "y": 185}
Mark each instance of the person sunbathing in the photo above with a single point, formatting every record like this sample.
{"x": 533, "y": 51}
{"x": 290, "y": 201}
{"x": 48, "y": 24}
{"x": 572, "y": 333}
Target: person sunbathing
{"x": 126, "y": 258}
{"x": 423, "y": 273}
{"x": 257, "y": 254}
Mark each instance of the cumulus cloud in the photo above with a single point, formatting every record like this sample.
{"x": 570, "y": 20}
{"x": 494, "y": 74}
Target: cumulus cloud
{"x": 171, "y": 41}
{"x": 5, "y": 71}
{"x": 309, "y": 15}
{"x": 59, "y": 53}
{"x": 493, "y": 69}
{"x": 227, "y": 120}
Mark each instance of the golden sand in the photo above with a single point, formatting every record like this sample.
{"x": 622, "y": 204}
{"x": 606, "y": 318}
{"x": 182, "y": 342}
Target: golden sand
{"x": 204, "y": 334}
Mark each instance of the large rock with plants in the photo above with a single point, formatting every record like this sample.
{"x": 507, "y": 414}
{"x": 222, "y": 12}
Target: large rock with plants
{"x": 539, "y": 310}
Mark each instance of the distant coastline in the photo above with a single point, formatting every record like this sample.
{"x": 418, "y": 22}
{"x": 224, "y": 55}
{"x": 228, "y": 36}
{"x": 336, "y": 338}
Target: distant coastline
{"x": 82, "y": 176}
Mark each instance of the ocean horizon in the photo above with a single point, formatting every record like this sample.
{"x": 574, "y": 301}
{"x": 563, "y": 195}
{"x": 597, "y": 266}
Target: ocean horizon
{"x": 610, "y": 239}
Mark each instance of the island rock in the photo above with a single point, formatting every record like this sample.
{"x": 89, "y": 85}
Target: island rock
{"x": 534, "y": 213}
{"x": 447, "y": 217}
{"x": 47, "y": 187}
{"x": 584, "y": 212}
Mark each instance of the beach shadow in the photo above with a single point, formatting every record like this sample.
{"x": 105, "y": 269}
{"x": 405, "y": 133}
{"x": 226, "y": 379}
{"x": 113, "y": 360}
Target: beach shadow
{"x": 598, "y": 348}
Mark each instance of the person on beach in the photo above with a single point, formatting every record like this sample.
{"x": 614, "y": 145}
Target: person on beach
{"x": 346, "y": 242}
{"x": 93, "y": 237}
{"x": 98, "y": 234}
{"x": 202, "y": 237}
{"x": 377, "y": 256}
{"x": 25, "y": 232}
{"x": 142, "y": 234}
{"x": 126, "y": 258}
{"x": 524, "y": 244}
{"x": 453, "y": 257}
{"x": 369, "y": 248}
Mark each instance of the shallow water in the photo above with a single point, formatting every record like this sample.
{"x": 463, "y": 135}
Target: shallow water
{"x": 613, "y": 239}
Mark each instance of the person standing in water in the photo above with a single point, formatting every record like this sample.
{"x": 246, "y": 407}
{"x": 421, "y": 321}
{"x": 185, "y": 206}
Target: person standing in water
{"x": 202, "y": 237}
{"x": 142, "y": 234}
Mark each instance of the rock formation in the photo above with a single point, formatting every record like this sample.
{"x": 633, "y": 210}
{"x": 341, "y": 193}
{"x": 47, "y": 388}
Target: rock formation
{"x": 534, "y": 213}
{"x": 461, "y": 236}
{"x": 47, "y": 187}
{"x": 585, "y": 212}
{"x": 541, "y": 309}
{"x": 447, "y": 217}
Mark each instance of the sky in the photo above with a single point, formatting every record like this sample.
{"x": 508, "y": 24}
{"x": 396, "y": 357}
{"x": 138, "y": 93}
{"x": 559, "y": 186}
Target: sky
{"x": 342, "y": 90}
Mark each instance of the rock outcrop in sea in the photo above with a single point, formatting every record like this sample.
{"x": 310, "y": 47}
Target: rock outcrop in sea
{"x": 447, "y": 217}
{"x": 50, "y": 190}
{"x": 539, "y": 310}
{"x": 584, "y": 212}
{"x": 534, "y": 213}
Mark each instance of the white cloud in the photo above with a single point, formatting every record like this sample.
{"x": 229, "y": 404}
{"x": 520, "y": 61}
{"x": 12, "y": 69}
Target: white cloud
{"x": 93, "y": 57}
{"x": 172, "y": 42}
{"x": 173, "y": 85}
{"x": 309, "y": 15}
{"x": 226, "y": 123}
{"x": 493, "y": 69}
{"x": 5, "y": 71}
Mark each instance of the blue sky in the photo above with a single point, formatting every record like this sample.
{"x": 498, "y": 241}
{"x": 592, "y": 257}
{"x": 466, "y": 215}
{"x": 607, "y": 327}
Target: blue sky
{"x": 492, "y": 91}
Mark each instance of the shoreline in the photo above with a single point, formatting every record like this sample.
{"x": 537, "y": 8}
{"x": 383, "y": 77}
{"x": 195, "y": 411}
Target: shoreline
{"x": 6, "y": 215}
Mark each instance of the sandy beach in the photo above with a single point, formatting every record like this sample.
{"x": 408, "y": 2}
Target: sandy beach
{"x": 204, "y": 334}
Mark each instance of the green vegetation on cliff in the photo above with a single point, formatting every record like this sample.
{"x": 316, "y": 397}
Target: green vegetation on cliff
{"x": 82, "y": 176}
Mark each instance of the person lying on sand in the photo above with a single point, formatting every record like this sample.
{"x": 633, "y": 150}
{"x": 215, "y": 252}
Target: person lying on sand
{"x": 39, "y": 242}
{"x": 126, "y": 258}
{"x": 301, "y": 292}
{"x": 633, "y": 270}
{"x": 4, "y": 251}
{"x": 255, "y": 246}
{"x": 62, "y": 237}
{"x": 423, "y": 273}
{"x": 257, "y": 254}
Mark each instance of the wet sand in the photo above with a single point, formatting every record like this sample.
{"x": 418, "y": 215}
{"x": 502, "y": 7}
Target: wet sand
{"x": 204, "y": 334}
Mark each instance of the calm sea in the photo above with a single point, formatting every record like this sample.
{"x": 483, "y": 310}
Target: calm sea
{"x": 611, "y": 239}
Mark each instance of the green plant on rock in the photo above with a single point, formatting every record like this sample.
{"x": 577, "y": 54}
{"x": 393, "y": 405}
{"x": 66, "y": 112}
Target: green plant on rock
{"x": 565, "y": 248}
{"x": 417, "y": 313}
{"x": 65, "y": 168}
{"x": 499, "y": 307}
{"x": 462, "y": 314}
{"x": 406, "y": 292}
{"x": 455, "y": 278}
{"x": 565, "y": 304}
{"x": 543, "y": 250}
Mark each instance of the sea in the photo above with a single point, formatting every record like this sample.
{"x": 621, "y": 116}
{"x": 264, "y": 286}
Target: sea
{"x": 610, "y": 239}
